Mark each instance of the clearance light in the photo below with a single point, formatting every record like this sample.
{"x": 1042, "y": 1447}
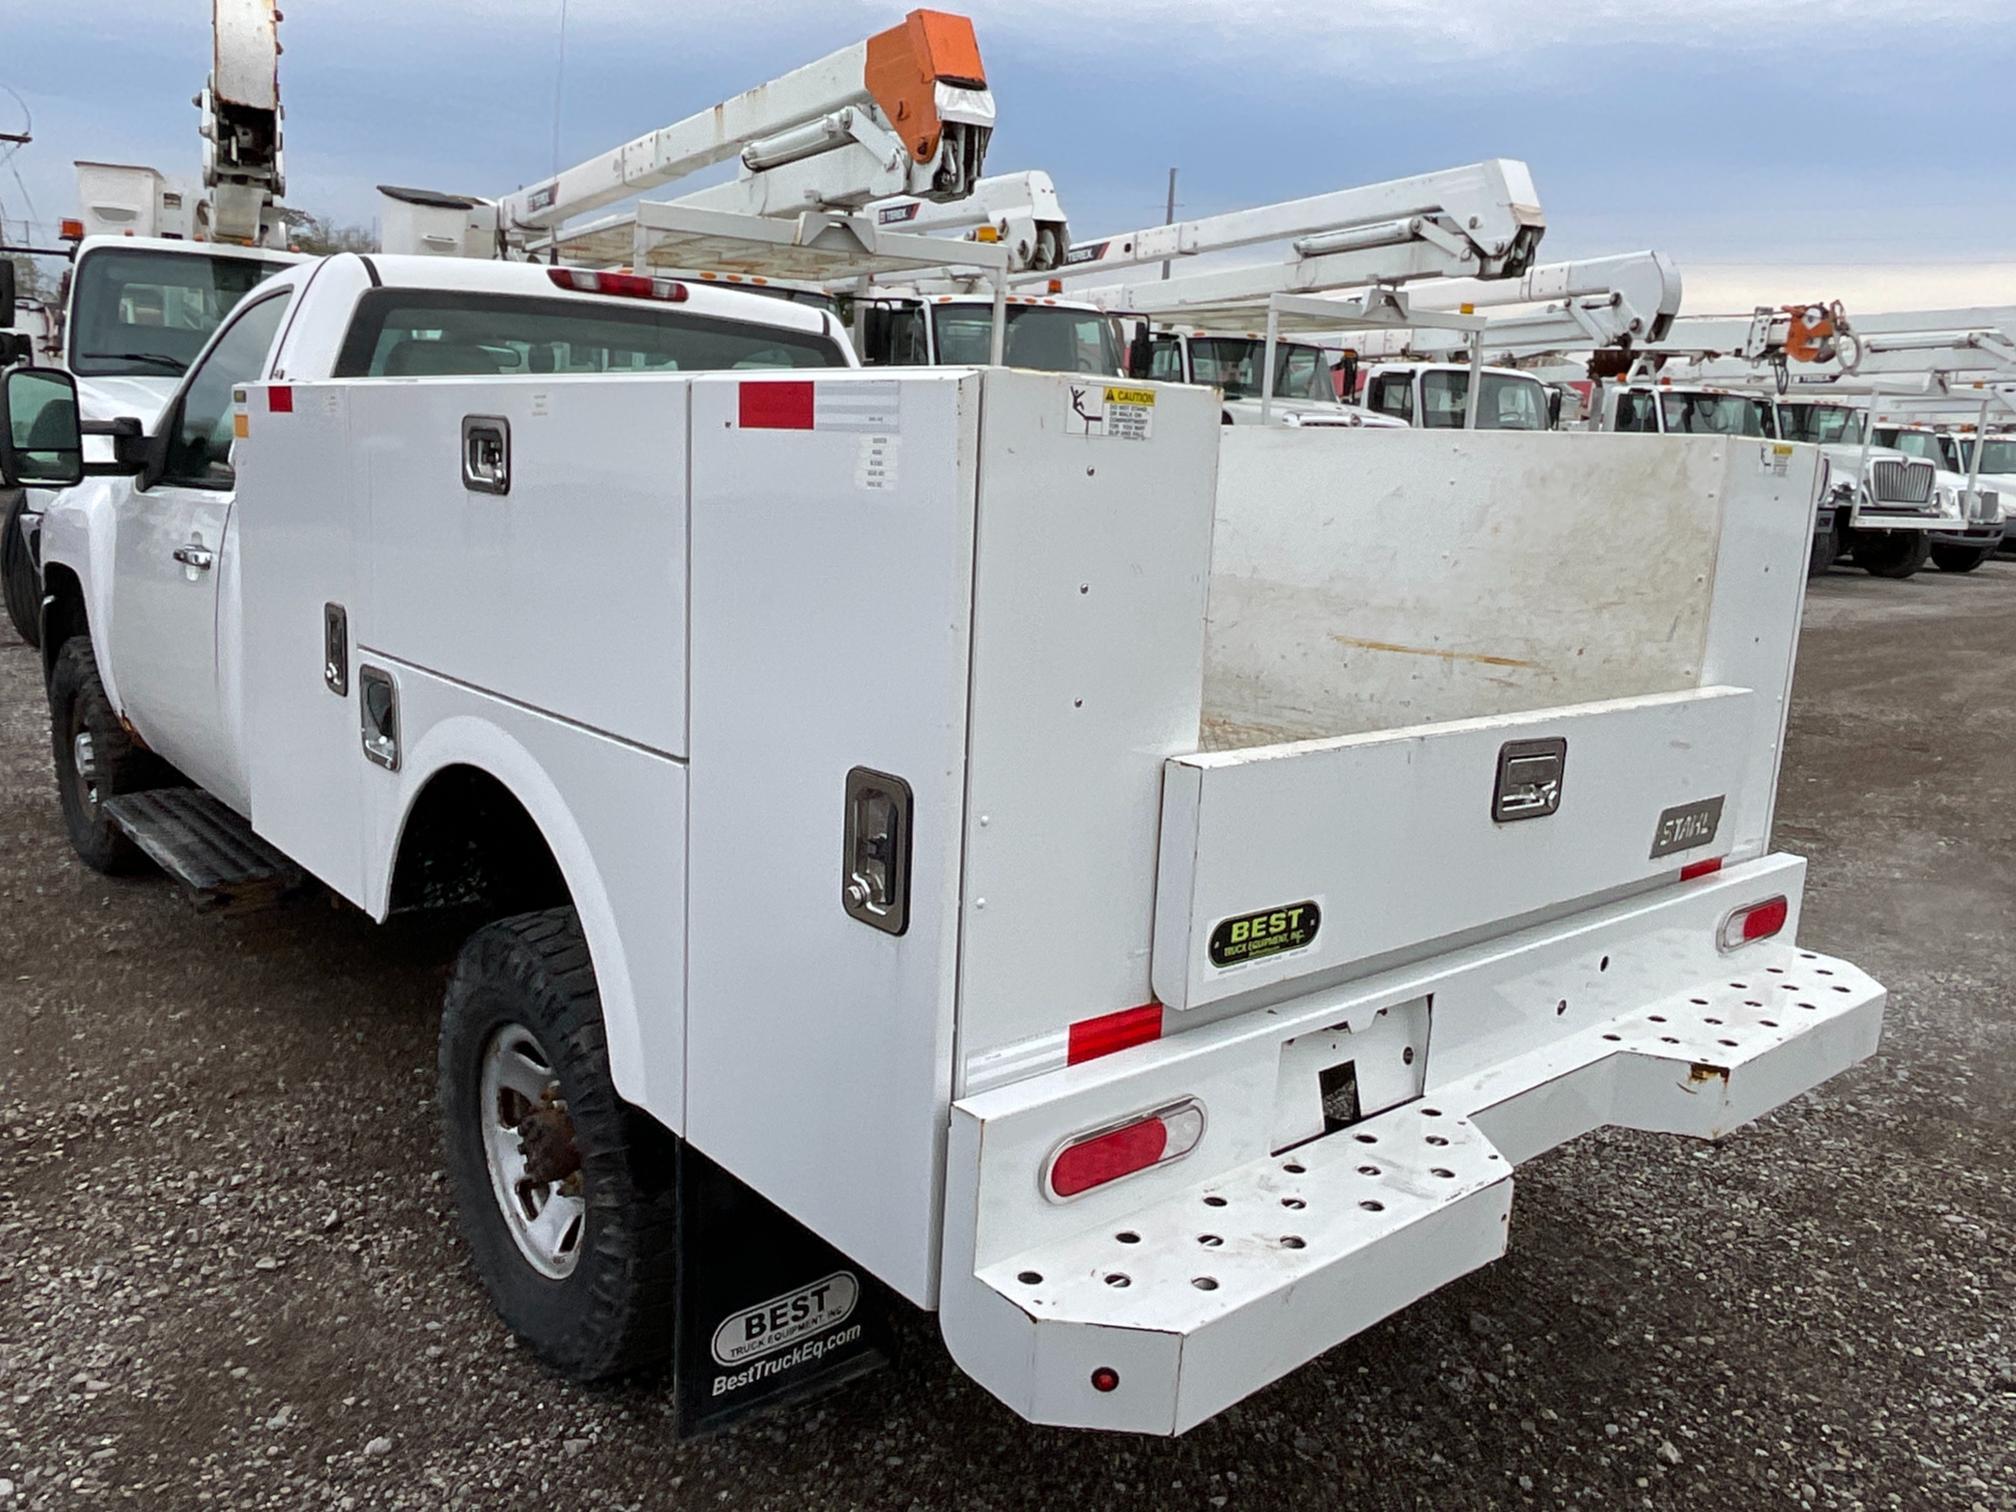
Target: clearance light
{"x": 1105, "y": 1155}
{"x": 625, "y": 285}
{"x": 1759, "y": 921}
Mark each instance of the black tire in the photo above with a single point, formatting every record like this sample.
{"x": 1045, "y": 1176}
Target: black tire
{"x": 78, "y": 707}
{"x": 1960, "y": 558}
{"x": 611, "y": 1313}
{"x": 20, "y": 583}
{"x": 1826, "y": 551}
{"x": 1892, "y": 553}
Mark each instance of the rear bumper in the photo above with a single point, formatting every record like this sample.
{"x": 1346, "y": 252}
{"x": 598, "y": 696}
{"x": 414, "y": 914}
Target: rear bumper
{"x": 1536, "y": 1039}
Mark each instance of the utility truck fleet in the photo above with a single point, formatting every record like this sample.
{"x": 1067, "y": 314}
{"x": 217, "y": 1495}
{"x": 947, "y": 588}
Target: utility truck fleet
{"x": 1133, "y": 886}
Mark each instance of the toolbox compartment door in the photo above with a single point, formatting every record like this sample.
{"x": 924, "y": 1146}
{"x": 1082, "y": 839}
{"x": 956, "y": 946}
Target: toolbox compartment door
{"x": 1283, "y": 862}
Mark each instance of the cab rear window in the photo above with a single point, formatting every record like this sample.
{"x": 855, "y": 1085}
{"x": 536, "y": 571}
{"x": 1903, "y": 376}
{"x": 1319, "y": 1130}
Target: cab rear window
{"x": 413, "y": 333}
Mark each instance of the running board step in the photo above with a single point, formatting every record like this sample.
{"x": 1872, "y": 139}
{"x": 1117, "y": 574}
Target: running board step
{"x": 206, "y": 847}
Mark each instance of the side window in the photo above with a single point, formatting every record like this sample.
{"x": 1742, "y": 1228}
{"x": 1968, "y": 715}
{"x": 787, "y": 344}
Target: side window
{"x": 1634, "y": 412}
{"x": 1393, "y": 394}
{"x": 1165, "y": 359}
{"x": 199, "y": 446}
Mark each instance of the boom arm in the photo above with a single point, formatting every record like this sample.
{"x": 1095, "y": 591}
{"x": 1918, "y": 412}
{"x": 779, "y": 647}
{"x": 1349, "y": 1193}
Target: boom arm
{"x": 1020, "y": 211}
{"x": 905, "y": 112}
{"x": 1484, "y": 219}
{"x": 1597, "y": 302}
{"x": 241, "y": 121}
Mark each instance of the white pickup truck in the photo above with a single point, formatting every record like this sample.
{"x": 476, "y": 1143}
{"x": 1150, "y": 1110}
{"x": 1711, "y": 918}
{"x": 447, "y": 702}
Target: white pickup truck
{"x": 1135, "y": 889}
{"x": 137, "y": 310}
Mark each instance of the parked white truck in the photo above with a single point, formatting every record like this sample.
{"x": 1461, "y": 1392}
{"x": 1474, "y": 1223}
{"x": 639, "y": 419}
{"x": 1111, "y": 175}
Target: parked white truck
{"x": 1137, "y": 889}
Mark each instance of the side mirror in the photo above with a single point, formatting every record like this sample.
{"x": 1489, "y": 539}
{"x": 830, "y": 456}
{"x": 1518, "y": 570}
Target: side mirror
{"x": 7, "y": 293}
{"x": 41, "y": 445}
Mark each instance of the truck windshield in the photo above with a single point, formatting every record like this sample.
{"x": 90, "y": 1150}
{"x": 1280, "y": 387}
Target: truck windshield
{"x": 1998, "y": 453}
{"x": 1823, "y": 424}
{"x": 148, "y": 312}
{"x": 1714, "y": 415}
{"x": 410, "y": 333}
{"x": 1913, "y": 444}
{"x": 1046, "y": 338}
{"x": 1233, "y": 364}
{"x": 1505, "y": 402}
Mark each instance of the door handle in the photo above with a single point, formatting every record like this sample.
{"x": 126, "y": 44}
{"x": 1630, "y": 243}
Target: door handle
{"x": 199, "y": 557}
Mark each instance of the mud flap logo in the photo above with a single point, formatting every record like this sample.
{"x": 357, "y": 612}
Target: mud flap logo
{"x": 786, "y": 1319}
{"x": 1269, "y": 932}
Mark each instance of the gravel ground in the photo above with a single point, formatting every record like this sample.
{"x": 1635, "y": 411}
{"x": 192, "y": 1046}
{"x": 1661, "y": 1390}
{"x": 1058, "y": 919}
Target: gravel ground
{"x": 228, "y": 1273}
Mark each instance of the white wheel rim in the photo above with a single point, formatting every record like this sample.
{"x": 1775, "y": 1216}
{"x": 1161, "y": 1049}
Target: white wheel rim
{"x": 546, "y": 1219}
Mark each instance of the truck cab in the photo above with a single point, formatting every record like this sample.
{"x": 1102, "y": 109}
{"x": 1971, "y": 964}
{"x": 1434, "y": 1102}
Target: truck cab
{"x": 1434, "y": 396}
{"x": 1233, "y": 362}
{"x": 1043, "y": 334}
{"x": 1984, "y": 506}
{"x": 137, "y": 311}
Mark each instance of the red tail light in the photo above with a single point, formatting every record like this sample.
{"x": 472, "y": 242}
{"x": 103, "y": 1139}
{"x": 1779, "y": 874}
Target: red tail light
{"x": 627, "y": 285}
{"x": 1092, "y": 1160}
{"x": 1759, "y": 921}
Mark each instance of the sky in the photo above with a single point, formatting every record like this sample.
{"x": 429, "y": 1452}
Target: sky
{"x": 1797, "y": 150}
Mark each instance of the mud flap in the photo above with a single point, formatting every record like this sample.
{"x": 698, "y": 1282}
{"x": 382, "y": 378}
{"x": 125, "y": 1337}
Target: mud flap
{"x": 768, "y": 1313}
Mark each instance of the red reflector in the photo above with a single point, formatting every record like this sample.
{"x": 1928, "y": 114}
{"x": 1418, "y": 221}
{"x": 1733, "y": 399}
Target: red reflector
{"x": 1695, "y": 869}
{"x": 776, "y": 406}
{"x": 1759, "y": 921}
{"x": 279, "y": 401}
{"x": 1092, "y": 1038}
{"x": 1105, "y": 1378}
{"x": 1765, "y": 920}
{"x": 1108, "y": 1157}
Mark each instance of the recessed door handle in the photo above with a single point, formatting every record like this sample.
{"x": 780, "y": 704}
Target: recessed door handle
{"x": 199, "y": 557}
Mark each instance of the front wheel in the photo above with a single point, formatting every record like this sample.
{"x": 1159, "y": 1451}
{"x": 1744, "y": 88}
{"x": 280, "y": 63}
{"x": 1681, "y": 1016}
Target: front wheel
{"x": 565, "y": 1191}
{"x": 95, "y": 759}
{"x": 1826, "y": 550}
{"x": 1892, "y": 553}
{"x": 1960, "y": 558}
{"x": 20, "y": 583}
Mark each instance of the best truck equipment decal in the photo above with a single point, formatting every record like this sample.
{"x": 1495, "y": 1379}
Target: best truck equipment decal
{"x": 1268, "y": 932}
{"x": 785, "y": 1320}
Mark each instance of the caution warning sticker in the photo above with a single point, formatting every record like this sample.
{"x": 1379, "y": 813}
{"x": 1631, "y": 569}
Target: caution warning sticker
{"x": 1106, "y": 409}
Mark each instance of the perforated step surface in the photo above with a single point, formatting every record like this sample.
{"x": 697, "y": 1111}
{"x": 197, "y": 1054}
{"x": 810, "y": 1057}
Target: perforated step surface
{"x": 206, "y": 847}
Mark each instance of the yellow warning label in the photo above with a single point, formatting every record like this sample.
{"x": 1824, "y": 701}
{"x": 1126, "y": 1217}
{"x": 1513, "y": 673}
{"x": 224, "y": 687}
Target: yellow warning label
{"x": 1130, "y": 396}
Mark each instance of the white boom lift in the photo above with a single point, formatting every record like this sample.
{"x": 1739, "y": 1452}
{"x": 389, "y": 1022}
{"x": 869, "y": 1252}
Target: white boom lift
{"x": 905, "y": 112}
{"x": 1019, "y": 211}
{"x": 242, "y": 175}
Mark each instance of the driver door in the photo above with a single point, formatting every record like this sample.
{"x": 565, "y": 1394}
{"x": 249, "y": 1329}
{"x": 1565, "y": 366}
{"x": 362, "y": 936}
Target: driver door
{"x": 170, "y": 557}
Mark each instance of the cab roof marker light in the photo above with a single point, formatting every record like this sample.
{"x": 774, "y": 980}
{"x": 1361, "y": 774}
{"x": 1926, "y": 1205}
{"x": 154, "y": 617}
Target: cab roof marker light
{"x": 623, "y": 285}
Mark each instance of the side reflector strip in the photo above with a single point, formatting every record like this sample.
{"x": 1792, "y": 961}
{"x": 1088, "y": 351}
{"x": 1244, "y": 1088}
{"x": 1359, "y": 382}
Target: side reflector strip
{"x": 775, "y": 406}
{"x": 1094, "y": 1159}
{"x": 1695, "y": 869}
{"x": 1759, "y": 921}
{"x": 1094, "y": 1037}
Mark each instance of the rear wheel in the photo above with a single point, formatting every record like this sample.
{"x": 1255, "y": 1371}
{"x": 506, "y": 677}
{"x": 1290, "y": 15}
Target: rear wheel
{"x": 1892, "y": 553}
{"x": 95, "y": 759}
{"x": 1960, "y": 558}
{"x": 565, "y": 1191}
{"x": 20, "y": 584}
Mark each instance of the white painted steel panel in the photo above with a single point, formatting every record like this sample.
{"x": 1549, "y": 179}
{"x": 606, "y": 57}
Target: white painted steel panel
{"x": 1363, "y": 580}
{"x": 614, "y": 816}
{"x": 298, "y": 542}
{"x": 830, "y": 605}
{"x": 568, "y": 593}
{"x": 1626, "y": 1014}
{"x": 1392, "y": 835}
{"x": 1090, "y": 579}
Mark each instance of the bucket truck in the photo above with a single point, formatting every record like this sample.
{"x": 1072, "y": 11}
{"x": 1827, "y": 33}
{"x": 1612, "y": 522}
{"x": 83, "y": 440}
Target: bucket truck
{"x": 156, "y": 266}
